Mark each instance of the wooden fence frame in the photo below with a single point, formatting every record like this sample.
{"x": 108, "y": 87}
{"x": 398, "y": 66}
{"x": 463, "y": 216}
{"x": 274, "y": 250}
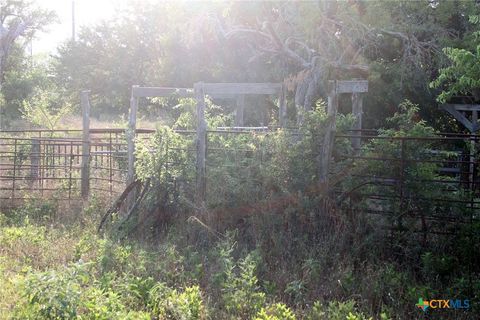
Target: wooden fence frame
{"x": 145, "y": 92}
{"x": 215, "y": 90}
{"x": 238, "y": 91}
{"x": 222, "y": 90}
{"x": 336, "y": 87}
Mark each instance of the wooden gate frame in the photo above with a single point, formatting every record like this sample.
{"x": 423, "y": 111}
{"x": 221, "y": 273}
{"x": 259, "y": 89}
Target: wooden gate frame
{"x": 238, "y": 91}
{"x": 336, "y": 87}
{"x": 222, "y": 90}
{"x": 145, "y": 92}
{"x": 356, "y": 88}
{"x": 215, "y": 90}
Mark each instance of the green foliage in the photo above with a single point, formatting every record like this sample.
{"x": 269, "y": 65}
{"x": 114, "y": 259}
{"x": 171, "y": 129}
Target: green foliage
{"x": 35, "y": 210}
{"x": 413, "y": 173}
{"x": 241, "y": 167}
{"x": 461, "y": 76}
{"x": 240, "y": 291}
{"x": 38, "y": 110}
{"x": 21, "y": 21}
{"x": 52, "y": 294}
{"x": 167, "y": 303}
{"x": 98, "y": 304}
{"x": 336, "y": 310}
{"x": 296, "y": 290}
{"x": 277, "y": 311}
{"x": 344, "y": 310}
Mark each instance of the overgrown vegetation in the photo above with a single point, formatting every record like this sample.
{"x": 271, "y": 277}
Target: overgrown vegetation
{"x": 290, "y": 254}
{"x": 396, "y": 221}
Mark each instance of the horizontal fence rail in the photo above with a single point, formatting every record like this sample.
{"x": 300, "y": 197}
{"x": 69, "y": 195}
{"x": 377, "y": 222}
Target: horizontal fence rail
{"x": 427, "y": 185}
{"x": 424, "y": 185}
{"x": 48, "y": 163}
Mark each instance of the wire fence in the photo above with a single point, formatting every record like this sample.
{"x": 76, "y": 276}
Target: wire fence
{"x": 48, "y": 163}
{"x": 426, "y": 185}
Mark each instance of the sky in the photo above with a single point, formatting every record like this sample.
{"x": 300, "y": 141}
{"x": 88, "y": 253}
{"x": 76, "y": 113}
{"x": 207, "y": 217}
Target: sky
{"x": 87, "y": 12}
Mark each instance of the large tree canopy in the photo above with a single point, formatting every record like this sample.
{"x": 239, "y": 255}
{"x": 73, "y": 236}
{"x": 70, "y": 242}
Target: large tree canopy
{"x": 396, "y": 45}
{"x": 19, "y": 18}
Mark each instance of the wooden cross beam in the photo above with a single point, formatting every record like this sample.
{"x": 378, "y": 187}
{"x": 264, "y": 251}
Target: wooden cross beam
{"x": 352, "y": 86}
{"x": 213, "y": 89}
{"x": 458, "y": 112}
{"x": 149, "y": 92}
{"x": 239, "y": 90}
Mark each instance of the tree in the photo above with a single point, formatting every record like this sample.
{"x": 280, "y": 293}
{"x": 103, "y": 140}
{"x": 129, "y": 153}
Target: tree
{"x": 396, "y": 44}
{"x": 462, "y": 76}
{"x": 19, "y": 18}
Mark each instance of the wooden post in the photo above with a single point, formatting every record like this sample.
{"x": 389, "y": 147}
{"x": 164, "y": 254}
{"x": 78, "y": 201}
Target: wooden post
{"x": 239, "y": 111}
{"x": 132, "y": 123}
{"x": 35, "y": 160}
{"x": 282, "y": 107}
{"x": 357, "y": 110}
{"x": 328, "y": 140}
{"x": 85, "y": 171}
{"x": 201, "y": 146}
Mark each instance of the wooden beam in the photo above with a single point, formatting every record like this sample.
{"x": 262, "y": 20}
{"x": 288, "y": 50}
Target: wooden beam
{"x": 460, "y": 117}
{"x": 352, "y": 86}
{"x": 332, "y": 99}
{"x": 145, "y": 92}
{"x": 223, "y": 96}
{"x": 201, "y": 147}
{"x": 241, "y": 88}
{"x": 132, "y": 123}
{"x": 282, "y": 107}
{"x": 85, "y": 163}
{"x": 464, "y": 107}
{"x": 242, "y": 129}
{"x": 35, "y": 159}
{"x": 357, "y": 110}
{"x": 239, "y": 111}
{"x": 328, "y": 139}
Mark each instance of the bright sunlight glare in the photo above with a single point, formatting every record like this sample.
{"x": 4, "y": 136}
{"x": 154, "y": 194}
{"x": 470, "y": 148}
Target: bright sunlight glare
{"x": 87, "y": 12}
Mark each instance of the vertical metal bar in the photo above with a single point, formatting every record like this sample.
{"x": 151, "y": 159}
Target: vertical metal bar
{"x": 43, "y": 147}
{"x": 70, "y": 171}
{"x": 110, "y": 164}
{"x": 472, "y": 241}
{"x": 66, "y": 158}
{"x": 53, "y": 158}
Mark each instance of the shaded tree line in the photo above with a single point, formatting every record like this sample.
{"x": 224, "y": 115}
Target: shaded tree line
{"x": 397, "y": 46}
